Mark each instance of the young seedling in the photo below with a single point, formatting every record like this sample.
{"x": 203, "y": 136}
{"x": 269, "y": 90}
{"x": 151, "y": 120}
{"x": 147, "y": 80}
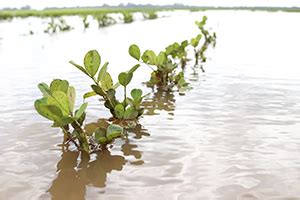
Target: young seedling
{"x": 178, "y": 51}
{"x": 57, "y": 105}
{"x": 85, "y": 21}
{"x": 57, "y": 25}
{"x": 164, "y": 71}
{"x": 209, "y": 38}
{"x": 194, "y": 43}
{"x": 127, "y": 17}
{"x": 104, "y": 20}
{"x": 129, "y": 108}
{"x": 150, "y": 15}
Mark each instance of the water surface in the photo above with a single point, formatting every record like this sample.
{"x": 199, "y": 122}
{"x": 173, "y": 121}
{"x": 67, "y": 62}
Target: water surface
{"x": 233, "y": 136}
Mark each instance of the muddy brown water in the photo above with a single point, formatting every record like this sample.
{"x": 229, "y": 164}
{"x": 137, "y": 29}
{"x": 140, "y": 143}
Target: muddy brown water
{"x": 235, "y": 135}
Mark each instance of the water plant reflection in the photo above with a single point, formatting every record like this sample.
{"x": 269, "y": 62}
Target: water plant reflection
{"x": 161, "y": 100}
{"x": 76, "y": 170}
{"x": 73, "y": 177}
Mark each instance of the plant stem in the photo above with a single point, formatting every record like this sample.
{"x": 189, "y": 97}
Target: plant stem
{"x": 69, "y": 137}
{"x": 125, "y": 98}
{"x": 83, "y": 142}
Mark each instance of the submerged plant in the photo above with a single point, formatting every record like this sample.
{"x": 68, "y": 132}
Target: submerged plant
{"x": 57, "y": 25}
{"x": 209, "y": 38}
{"x": 104, "y": 20}
{"x": 85, "y": 21}
{"x": 127, "y": 17}
{"x": 150, "y": 15}
{"x": 178, "y": 51}
{"x": 163, "y": 68}
{"x": 57, "y": 105}
{"x": 127, "y": 109}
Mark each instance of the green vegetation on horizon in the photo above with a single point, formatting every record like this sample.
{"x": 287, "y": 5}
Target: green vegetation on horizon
{"x": 58, "y": 12}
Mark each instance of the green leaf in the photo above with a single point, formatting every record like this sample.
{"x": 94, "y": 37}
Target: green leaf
{"x": 81, "y": 110}
{"x": 102, "y": 72}
{"x": 92, "y": 62}
{"x": 106, "y": 82}
{"x": 98, "y": 90}
{"x": 71, "y": 98}
{"x": 79, "y": 67}
{"x": 119, "y": 111}
{"x": 136, "y": 93}
{"x": 135, "y": 52}
{"x": 48, "y": 111}
{"x": 113, "y": 131}
{"x": 63, "y": 122}
{"x": 81, "y": 119}
{"x": 125, "y": 78}
{"x": 130, "y": 113}
{"x": 59, "y": 85}
{"x": 60, "y": 100}
{"x": 134, "y": 68}
{"x": 44, "y": 88}
{"x": 89, "y": 94}
{"x": 149, "y": 57}
{"x": 100, "y": 135}
{"x": 161, "y": 58}
{"x": 185, "y": 43}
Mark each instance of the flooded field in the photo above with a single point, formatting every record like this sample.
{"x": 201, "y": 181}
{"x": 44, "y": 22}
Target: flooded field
{"x": 233, "y": 136}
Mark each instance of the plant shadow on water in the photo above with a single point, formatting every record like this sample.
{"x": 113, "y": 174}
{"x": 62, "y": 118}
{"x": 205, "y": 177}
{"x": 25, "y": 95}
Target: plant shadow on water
{"x": 76, "y": 171}
{"x": 161, "y": 100}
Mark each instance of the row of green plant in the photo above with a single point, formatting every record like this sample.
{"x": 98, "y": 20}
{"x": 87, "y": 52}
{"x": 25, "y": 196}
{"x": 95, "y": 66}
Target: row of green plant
{"x": 165, "y": 66}
{"x": 59, "y": 24}
{"x": 58, "y": 100}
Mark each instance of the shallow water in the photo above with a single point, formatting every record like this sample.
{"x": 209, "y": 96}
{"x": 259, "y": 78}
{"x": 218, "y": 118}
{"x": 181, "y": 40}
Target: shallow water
{"x": 233, "y": 136}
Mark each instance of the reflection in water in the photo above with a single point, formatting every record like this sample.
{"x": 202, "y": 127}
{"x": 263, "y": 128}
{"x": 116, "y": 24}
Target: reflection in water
{"x": 76, "y": 171}
{"x": 160, "y": 100}
{"x": 73, "y": 177}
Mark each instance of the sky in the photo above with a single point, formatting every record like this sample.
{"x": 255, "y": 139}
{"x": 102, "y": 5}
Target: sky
{"x": 40, "y": 4}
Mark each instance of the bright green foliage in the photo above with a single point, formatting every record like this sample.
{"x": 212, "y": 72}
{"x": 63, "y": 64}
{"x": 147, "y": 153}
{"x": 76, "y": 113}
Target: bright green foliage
{"x": 135, "y": 52}
{"x": 105, "y": 136}
{"x": 92, "y": 62}
{"x": 127, "y": 17}
{"x": 125, "y": 78}
{"x": 85, "y": 22}
{"x": 164, "y": 71}
{"x": 209, "y": 38}
{"x": 104, "y": 86}
{"x": 57, "y": 105}
{"x": 150, "y": 15}
{"x": 178, "y": 51}
{"x": 104, "y": 20}
{"x": 56, "y": 25}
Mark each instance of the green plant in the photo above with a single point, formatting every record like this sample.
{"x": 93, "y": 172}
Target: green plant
{"x": 178, "y": 51}
{"x": 198, "y": 52}
{"x": 57, "y": 105}
{"x": 164, "y": 71}
{"x": 127, "y": 17}
{"x": 85, "y": 22}
{"x": 209, "y": 38}
{"x": 56, "y": 25}
{"x": 104, "y": 20}
{"x": 129, "y": 108}
{"x": 150, "y": 15}
{"x": 63, "y": 26}
{"x": 52, "y": 27}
